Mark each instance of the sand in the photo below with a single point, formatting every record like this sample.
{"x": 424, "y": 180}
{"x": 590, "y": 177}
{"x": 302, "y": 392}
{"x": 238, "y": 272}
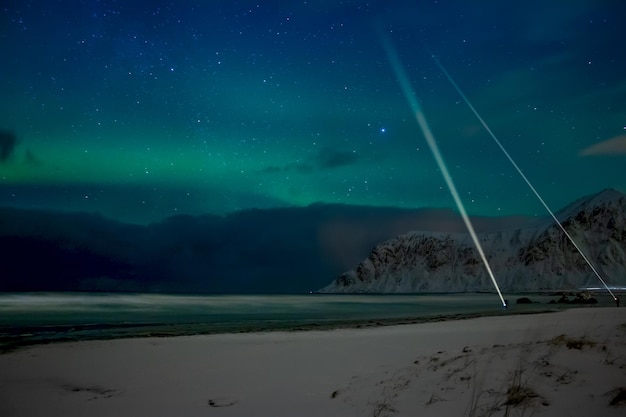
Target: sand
{"x": 569, "y": 363}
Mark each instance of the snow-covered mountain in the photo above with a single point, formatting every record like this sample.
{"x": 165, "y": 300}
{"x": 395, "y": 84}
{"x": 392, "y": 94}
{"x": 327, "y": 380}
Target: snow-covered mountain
{"x": 541, "y": 258}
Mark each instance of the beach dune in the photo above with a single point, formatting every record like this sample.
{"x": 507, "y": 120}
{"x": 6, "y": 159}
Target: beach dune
{"x": 568, "y": 363}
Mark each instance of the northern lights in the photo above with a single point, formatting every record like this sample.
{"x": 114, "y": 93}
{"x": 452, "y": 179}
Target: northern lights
{"x": 144, "y": 109}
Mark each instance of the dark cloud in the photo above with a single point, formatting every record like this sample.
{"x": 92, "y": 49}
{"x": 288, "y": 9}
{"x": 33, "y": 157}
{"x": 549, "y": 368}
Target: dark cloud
{"x": 331, "y": 158}
{"x": 8, "y": 141}
{"x": 136, "y": 203}
{"x": 31, "y": 159}
{"x": 290, "y": 249}
{"x": 327, "y": 158}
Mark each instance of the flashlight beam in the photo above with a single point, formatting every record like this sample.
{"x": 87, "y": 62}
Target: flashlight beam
{"x": 416, "y": 109}
{"x": 518, "y": 169}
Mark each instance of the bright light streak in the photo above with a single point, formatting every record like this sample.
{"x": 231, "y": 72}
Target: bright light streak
{"x": 495, "y": 139}
{"x": 411, "y": 98}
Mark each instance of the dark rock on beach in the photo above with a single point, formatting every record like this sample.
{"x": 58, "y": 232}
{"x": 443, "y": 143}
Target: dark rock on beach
{"x": 579, "y": 298}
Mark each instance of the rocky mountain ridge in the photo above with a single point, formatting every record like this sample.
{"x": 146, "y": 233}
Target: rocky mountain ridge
{"x": 532, "y": 259}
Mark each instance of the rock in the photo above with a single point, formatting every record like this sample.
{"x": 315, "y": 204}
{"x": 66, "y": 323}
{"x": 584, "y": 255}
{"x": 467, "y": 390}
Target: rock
{"x": 579, "y": 298}
{"x": 584, "y": 298}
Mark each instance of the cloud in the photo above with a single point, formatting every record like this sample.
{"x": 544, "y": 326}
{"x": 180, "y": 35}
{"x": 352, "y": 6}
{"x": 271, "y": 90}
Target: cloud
{"x": 280, "y": 250}
{"x": 8, "y": 140}
{"x": 330, "y": 158}
{"x": 613, "y": 146}
{"x": 325, "y": 159}
{"x": 31, "y": 159}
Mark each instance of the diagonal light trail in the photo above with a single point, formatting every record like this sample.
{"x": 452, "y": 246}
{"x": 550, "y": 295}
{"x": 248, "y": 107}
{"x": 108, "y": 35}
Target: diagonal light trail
{"x": 416, "y": 108}
{"x": 518, "y": 169}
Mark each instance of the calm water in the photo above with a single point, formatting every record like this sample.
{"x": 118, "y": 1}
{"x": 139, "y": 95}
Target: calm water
{"x": 44, "y": 317}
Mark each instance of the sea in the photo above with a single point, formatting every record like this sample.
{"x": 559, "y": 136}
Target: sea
{"x": 33, "y": 318}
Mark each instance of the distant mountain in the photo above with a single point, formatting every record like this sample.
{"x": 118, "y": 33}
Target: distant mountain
{"x": 523, "y": 259}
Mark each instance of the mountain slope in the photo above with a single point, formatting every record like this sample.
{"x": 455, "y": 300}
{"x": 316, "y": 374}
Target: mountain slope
{"x": 530, "y": 259}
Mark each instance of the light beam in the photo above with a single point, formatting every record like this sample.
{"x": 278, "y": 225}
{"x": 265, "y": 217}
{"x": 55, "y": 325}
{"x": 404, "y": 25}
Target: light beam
{"x": 416, "y": 108}
{"x": 517, "y": 168}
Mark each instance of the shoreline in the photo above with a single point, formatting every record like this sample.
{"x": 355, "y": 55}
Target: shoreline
{"x": 72, "y": 333}
{"x": 570, "y": 362}
{"x": 207, "y": 321}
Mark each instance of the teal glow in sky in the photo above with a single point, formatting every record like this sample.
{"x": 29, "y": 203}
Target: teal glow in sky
{"x": 145, "y": 109}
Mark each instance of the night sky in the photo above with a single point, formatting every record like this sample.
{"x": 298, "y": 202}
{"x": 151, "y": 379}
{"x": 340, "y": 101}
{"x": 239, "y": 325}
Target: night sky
{"x": 140, "y": 110}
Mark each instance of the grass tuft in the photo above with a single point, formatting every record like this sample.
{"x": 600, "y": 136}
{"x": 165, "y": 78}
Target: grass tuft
{"x": 572, "y": 343}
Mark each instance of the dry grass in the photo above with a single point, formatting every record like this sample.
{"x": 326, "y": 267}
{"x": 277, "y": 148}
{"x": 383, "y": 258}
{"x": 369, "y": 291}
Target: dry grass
{"x": 619, "y": 398}
{"x": 571, "y": 343}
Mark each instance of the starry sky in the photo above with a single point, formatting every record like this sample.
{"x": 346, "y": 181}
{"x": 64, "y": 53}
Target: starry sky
{"x": 144, "y": 109}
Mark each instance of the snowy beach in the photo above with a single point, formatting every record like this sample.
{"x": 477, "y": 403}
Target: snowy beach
{"x": 571, "y": 362}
